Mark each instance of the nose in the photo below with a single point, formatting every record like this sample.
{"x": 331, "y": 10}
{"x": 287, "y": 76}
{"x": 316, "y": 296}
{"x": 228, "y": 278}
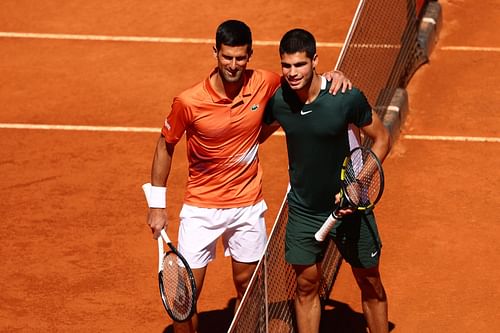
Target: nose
{"x": 232, "y": 65}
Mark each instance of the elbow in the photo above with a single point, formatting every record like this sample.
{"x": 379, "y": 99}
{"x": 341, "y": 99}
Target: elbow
{"x": 388, "y": 142}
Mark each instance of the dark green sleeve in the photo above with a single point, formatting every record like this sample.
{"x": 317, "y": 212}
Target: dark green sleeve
{"x": 359, "y": 109}
{"x": 268, "y": 113}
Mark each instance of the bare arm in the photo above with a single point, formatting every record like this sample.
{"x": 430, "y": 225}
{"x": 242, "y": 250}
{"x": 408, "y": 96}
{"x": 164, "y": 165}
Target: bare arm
{"x": 380, "y": 136}
{"x": 267, "y": 130}
{"x": 381, "y": 147}
{"x": 160, "y": 170}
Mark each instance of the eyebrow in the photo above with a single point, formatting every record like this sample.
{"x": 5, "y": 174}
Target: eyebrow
{"x": 297, "y": 64}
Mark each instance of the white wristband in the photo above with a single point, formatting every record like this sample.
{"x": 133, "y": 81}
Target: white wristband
{"x": 156, "y": 196}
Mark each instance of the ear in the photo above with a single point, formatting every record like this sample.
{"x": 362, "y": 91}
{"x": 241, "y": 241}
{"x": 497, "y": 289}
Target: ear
{"x": 315, "y": 61}
{"x": 250, "y": 54}
{"x": 214, "y": 49}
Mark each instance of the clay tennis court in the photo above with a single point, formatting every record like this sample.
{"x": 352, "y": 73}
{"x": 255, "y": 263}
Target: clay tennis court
{"x": 76, "y": 252}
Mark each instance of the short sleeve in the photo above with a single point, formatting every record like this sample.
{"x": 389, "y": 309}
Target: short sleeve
{"x": 176, "y": 122}
{"x": 360, "y": 110}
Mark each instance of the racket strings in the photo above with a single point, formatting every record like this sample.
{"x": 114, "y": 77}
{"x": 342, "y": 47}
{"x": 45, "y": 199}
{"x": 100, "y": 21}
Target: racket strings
{"x": 362, "y": 181}
{"x": 177, "y": 286}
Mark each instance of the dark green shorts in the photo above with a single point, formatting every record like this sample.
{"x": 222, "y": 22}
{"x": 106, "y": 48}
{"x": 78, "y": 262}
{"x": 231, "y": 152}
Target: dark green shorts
{"x": 356, "y": 237}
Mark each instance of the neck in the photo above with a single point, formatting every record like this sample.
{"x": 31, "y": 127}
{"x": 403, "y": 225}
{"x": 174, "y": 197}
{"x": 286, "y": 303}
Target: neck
{"x": 309, "y": 93}
{"x": 228, "y": 89}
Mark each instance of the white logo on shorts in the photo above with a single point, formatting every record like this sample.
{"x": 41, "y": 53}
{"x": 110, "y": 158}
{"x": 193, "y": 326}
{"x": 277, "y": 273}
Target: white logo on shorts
{"x": 374, "y": 254}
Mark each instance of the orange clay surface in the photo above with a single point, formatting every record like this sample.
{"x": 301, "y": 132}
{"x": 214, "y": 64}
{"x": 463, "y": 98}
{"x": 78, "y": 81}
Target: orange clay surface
{"x": 76, "y": 253}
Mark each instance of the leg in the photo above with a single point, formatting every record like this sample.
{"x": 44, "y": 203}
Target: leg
{"x": 242, "y": 273}
{"x": 245, "y": 241}
{"x": 307, "y": 303}
{"x": 373, "y": 298}
{"x": 191, "y": 325}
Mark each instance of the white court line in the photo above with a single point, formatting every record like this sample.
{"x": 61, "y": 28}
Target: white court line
{"x": 470, "y": 48}
{"x": 81, "y": 128}
{"x": 171, "y": 40}
{"x": 181, "y": 40}
{"x": 451, "y": 138}
{"x": 157, "y": 130}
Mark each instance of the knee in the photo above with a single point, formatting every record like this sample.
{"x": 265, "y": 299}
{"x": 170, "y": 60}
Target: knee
{"x": 372, "y": 288}
{"x": 241, "y": 280}
{"x": 307, "y": 287}
{"x": 370, "y": 283}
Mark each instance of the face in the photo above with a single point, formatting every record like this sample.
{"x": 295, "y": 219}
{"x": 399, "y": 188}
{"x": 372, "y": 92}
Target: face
{"x": 232, "y": 62}
{"x": 298, "y": 69}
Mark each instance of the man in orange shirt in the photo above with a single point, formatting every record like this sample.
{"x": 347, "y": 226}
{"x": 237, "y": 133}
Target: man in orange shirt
{"x": 222, "y": 119}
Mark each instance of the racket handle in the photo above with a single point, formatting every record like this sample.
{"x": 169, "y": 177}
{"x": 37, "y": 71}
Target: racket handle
{"x": 321, "y": 234}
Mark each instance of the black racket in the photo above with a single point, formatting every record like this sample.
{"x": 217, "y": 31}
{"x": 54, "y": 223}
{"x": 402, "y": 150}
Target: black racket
{"x": 175, "y": 277}
{"x": 362, "y": 185}
{"x": 176, "y": 281}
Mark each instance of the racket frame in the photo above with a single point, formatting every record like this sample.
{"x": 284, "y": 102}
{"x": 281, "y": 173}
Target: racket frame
{"x": 321, "y": 234}
{"x": 161, "y": 255}
{"x": 345, "y": 194}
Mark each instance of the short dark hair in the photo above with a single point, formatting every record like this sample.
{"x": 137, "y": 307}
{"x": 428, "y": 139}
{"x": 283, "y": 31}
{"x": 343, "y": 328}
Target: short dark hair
{"x": 233, "y": 33}
{"x": 298, "y": 40}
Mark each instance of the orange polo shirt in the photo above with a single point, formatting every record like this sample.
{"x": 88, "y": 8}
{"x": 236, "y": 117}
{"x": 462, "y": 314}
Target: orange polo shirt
{"x": 222, "y": 140}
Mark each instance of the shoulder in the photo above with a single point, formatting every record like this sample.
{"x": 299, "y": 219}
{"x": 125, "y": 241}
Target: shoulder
{"x": 192, "y": 94}
{"x": 353, "y": 98}
{"x": 354, "y": 94}
{"x": 263, "y": 76}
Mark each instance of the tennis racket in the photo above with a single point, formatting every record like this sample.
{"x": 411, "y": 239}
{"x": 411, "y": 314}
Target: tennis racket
{"x": 176, "y": 281}
{"x": 362, "y": 185}
{"x": 175, "y": 278}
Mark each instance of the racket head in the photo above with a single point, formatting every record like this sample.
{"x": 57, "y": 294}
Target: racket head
{"x": 362, "y": 178}
{"x": 177, "y": 286}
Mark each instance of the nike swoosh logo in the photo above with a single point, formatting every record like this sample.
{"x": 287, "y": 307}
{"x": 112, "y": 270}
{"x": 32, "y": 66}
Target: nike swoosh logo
{"x": 302, "y": 112}
{"x": 373, "y": 254}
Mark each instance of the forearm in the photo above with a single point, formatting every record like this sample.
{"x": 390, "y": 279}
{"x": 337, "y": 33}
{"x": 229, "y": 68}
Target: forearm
{"x": 267, "y": 130}
{"x": 162, "y": 162}
{"x": 381, "y": 147}
{"x": 160, "y": 170}
{"x": 380, "y": 137}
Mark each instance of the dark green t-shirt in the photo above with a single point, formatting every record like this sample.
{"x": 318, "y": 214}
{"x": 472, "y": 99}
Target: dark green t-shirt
{"x": 317, "y": 141}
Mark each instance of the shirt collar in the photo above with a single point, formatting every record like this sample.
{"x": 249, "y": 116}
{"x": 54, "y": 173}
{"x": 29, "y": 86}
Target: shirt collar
{"x": 323, "y": 83}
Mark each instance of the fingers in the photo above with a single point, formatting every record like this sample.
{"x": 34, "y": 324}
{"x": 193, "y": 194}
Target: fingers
{"x": 347, "y": 84}
{"x": 157, "y": 220}
{"x": 339, "y": 82}
{"x": 344, "y": 212}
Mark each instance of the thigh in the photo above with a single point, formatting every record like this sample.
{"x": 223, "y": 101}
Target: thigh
{"x": 246, "y": 236}
{"x": 358, "y": 240}
{"x": 199, "y": 230}
{"x": 301, "y": 248}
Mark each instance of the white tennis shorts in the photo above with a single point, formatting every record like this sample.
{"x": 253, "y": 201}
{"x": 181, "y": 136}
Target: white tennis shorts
{"x": 243, "y": 232}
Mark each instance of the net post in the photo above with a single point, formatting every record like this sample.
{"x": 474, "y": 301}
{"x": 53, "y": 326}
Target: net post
{"x": 396, "y": 112}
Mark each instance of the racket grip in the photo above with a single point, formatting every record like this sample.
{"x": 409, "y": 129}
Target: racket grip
{"x": 321, "y": 234}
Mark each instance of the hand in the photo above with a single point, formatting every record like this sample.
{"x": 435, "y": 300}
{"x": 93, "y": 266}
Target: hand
{"x": 338, "y": 81}
{"x": 342, "y": 209}
{"x": 157, "y": 220}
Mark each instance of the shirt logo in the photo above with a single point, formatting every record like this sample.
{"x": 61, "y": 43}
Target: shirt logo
{"x": 167, "y": 125}
{"x": 303, "y": 113}
{"x": 254, "y": 107}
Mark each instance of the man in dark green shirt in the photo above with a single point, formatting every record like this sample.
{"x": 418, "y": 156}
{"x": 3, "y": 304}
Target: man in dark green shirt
{"x": 316, "y": 125}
